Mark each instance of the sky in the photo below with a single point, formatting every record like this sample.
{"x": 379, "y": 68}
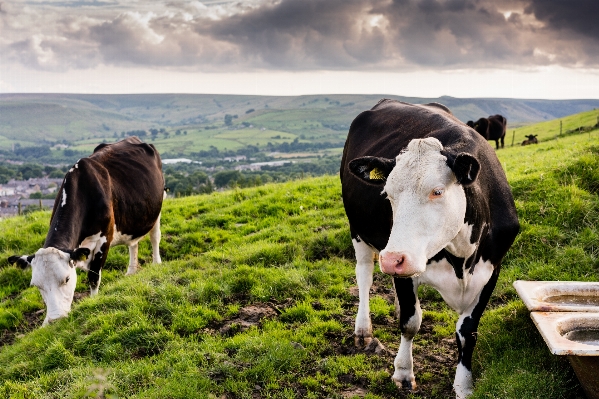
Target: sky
{"x": 424, "y": 48}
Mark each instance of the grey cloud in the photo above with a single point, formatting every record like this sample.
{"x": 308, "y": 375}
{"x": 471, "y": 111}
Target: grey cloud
{"x": 308, "y": 34}
{"x": 304, "y": 34}
{"x": 579, "y": 16}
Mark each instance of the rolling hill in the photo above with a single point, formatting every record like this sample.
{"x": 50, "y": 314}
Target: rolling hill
{"x": 85, "y": 119}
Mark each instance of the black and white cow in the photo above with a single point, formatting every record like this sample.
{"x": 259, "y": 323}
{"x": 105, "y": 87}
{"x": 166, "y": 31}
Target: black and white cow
{"x": 113, "y": 197}
{"x": 427, "y": 194}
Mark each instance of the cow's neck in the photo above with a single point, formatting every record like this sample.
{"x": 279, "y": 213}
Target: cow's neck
{"x": 65, "y": 229}
{"x": 72, "y": 214}
{"x": 462, "y": 245}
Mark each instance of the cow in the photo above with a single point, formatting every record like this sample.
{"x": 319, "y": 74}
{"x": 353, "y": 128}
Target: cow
{"x": 429, "y": 196}
{"x": 531, "y": 139}
{"x": 113, "y": 197}
{"x": 491, "y": 128}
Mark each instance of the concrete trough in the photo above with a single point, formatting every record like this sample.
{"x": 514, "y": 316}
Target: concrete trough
{"x": 559, "y": 296}
{"x": 566, "y": 314}
{"x": 575, "y": 335}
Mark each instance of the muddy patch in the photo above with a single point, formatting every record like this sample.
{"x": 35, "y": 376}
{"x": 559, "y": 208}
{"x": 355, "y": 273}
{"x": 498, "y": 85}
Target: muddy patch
{"x": 31, "y": 321}
{"x": 435, "y": 358}
{"x": 248, "y": 316}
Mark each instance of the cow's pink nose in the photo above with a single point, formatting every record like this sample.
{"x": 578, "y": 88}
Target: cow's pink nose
{"x": 396, "y": 264}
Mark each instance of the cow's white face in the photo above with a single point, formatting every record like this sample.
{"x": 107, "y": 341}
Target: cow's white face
{"x": 53, "y": 272}
{"x": 427, "y": 198}
{"x": 428, "y": 208}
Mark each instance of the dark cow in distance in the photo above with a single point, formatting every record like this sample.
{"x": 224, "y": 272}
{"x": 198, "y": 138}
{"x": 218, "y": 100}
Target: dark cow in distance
{"x": 427, "y": 194}
{"x": 531, "y": 139}
{"x": 491, "y": 128}
{"x": 113, "y": 197}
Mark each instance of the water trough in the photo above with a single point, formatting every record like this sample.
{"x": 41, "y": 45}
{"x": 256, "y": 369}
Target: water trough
{"x": 559, "y": 296}
{"x": 566, "y": 314}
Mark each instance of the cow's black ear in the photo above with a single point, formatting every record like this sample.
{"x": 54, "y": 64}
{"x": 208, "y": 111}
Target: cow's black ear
{"x": 79, "y": 254}
{"x": 21, "y": 261}
{"x": 373, "y": 170}
{"x": 464, "y": 166}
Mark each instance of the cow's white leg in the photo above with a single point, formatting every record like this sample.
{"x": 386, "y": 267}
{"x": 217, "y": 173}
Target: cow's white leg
{"x": 95, "y": 285}
{"x": 155, "y": 240}
{"x": 410, "y": 317}
{"x": 364, "y": 269}
{"x": 132, "y": 259}
{"x": 465, "y": 339}
{"x": 466, "y": 335}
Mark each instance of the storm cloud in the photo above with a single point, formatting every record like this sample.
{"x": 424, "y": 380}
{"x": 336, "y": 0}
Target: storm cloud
{"x": 391, "y": 35}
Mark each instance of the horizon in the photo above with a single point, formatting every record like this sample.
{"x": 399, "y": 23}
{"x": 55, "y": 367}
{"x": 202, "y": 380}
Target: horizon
{"x": 381, "y": 95}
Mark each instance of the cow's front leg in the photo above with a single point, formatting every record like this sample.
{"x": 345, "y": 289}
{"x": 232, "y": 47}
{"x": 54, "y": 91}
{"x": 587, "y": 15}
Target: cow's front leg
{"x": 364, "y": 269}
{"x": 132, "y": 268}
{"x": 94, "y": 273}
{"x": 410, "y": 317}
{"x": 466, "y": 336}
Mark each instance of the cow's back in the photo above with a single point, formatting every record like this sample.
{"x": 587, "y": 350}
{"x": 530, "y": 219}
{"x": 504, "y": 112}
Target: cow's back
{"x": 136, "y": 182}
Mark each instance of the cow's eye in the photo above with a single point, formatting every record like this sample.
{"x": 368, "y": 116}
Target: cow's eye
{"x": 436, "y": 193}
{"x": 66, "y": 280}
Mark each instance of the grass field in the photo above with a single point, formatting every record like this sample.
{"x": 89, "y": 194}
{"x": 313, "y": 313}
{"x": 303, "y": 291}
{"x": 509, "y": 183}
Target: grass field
{"x": 256, "y": 298}
{"x": 550, "y": 130}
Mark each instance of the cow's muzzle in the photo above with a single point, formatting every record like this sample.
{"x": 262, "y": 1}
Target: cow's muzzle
{"x": 399, "y": 264}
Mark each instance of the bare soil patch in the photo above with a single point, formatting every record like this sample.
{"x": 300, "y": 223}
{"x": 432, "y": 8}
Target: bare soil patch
{"x": 247, "y": 317}
{"x": 31, "y": 321}
{"x": 435, "y": 358}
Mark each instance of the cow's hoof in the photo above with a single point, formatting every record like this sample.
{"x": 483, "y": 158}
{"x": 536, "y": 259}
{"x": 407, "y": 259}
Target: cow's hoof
{"x": 408, "y": 385}
{"x": 362, "y": 342}
{"x": 375, "y": 348}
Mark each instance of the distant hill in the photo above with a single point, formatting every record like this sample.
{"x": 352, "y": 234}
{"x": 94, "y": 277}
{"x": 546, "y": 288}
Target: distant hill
{"x": 85, "y": 119}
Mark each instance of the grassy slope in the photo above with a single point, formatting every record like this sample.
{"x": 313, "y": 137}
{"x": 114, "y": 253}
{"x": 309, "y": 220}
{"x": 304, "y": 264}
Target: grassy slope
{"x": 167, "y": 332}
{"x": 551, "y": 129}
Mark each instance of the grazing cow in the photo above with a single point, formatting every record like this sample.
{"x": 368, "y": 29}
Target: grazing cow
{"x": 531, "y": 139}
{"x": 112, "y": 197}
{"x": 430, "y": 197}
{"x": 491, "y": 128}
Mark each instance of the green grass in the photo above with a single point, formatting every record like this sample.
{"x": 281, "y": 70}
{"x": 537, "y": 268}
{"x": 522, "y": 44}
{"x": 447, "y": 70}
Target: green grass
{"x": 550, "y": 130}
{"x": 174, "y": 330}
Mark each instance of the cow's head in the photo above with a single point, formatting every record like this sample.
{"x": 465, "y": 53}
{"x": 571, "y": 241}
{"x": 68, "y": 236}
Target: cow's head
{"x": 425, "y": 187}
{"x": 482, "y": 126}
{"x": 53, "y": 272}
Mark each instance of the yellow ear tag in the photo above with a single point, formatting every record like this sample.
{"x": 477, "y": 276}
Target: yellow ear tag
{"x": 376, "y": 174}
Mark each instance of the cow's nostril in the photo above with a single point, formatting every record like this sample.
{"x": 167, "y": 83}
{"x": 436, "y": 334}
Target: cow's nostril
{"x": 400, "y": 259}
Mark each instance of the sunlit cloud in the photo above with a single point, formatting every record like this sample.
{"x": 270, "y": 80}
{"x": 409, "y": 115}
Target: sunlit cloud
{"x": 372, "y": 37}
{"x": 302, "y": 34}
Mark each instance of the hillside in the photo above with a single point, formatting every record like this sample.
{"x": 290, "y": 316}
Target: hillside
{"x": 81, "y": 120}
{"x": 256, "y": 298}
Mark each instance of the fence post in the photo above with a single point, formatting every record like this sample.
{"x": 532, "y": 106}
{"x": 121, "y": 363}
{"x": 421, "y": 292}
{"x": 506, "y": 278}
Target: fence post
{"x": 560, "y": 128}
{"x": 19, "y": 208}
{"x": 513, "y": 137}
{"x": 41, "y": 204}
